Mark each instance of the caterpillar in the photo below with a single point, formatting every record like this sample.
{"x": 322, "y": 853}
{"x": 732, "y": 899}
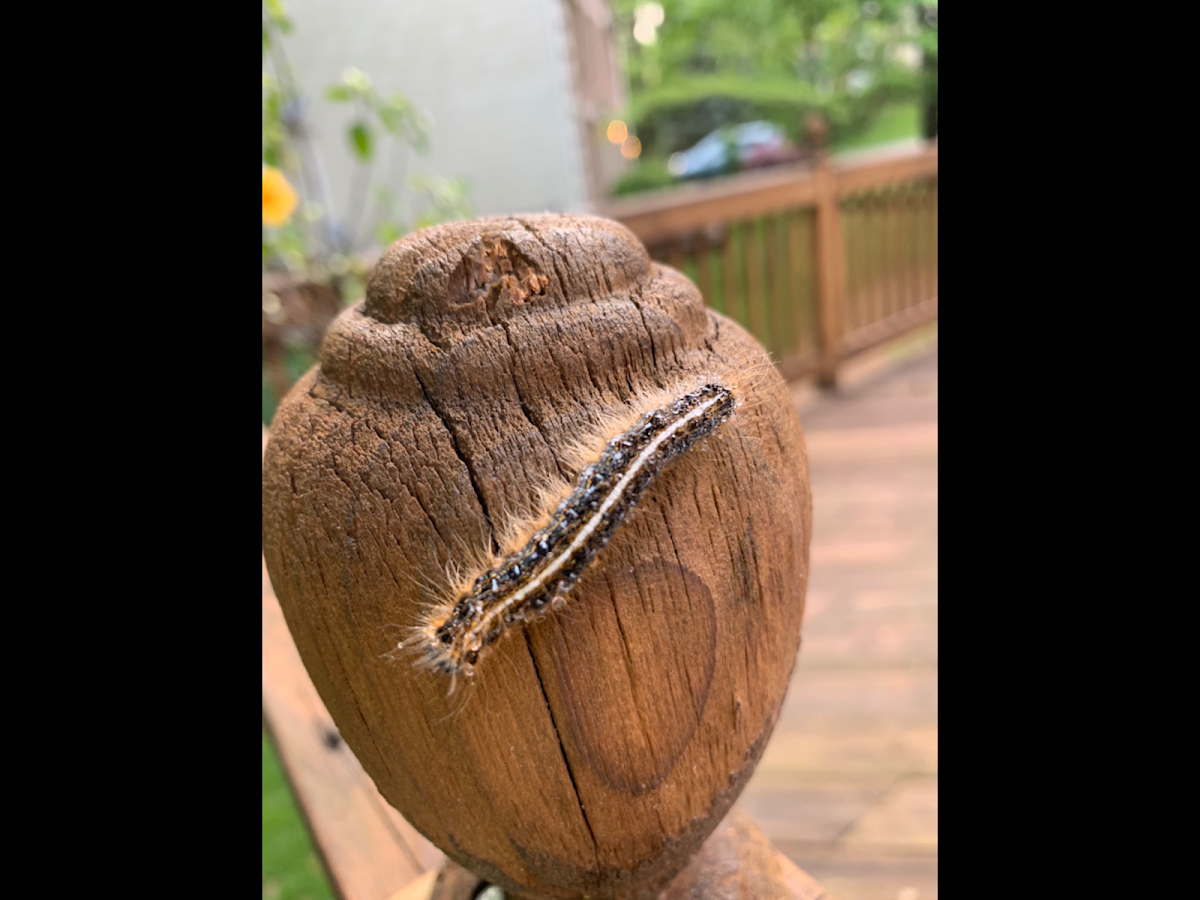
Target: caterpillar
{"x": 535, "y": 579}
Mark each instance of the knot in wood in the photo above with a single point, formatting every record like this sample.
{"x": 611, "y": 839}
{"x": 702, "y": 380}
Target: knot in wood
{"x": 455, "y": 278}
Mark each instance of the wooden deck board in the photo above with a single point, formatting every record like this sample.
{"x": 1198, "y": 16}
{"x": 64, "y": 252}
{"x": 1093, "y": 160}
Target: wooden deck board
{"x": 848, "y": 785}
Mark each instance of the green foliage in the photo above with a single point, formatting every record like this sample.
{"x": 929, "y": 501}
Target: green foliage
{"x": 317, "y": 242}
{"x": 447, "y": 198}
{"x": 929, "y": 85}
{"x": 362, "y": 141}
{"x": 894, "y": 123}
{"x": 394, "y": 114}
{"x": 720, "y": 62}
{"x": 673, "y": 116}
{"x": 644, "y": 175}
{"x": 290, "y": 868}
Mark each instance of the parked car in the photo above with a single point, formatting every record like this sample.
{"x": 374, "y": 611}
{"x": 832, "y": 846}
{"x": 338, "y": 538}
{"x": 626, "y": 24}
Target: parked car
{"x": 750, "y": 145}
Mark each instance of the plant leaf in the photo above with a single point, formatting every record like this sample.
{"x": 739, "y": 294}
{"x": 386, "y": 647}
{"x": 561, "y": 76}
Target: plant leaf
{"x": 356, "y": 80}
{"x": 361, "y": 141}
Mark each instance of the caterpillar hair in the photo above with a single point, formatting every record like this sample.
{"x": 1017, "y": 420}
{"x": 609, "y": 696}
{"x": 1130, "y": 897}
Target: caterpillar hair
{"x": 526, "y": 584}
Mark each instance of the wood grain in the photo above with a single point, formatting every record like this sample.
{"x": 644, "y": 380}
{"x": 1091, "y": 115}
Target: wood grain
{"x": 368, "y": 850}
{"x": 599, "y": 748}
{"x": 737, "y": 862}
{"x": 371, "y": 853}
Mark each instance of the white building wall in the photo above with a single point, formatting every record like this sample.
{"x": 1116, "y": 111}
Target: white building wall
{"x": 493, "y": 74}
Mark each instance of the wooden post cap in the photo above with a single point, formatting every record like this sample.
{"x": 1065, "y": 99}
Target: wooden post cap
{"x": 535, "y": 394}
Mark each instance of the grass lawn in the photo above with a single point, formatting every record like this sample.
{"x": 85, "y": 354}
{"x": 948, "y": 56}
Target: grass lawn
{"x": 894, "y": 123}
{"x": 290, "y": 868}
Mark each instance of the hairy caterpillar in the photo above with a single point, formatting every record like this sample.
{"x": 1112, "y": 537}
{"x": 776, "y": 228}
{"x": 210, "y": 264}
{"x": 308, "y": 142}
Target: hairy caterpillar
{"x": 526, "y": 584}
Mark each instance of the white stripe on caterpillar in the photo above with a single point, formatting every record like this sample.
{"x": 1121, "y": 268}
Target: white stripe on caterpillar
{"x": 519, "y": 587}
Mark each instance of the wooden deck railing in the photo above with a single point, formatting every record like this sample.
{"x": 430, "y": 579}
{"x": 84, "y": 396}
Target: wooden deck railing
{"x": 817, "y": 262}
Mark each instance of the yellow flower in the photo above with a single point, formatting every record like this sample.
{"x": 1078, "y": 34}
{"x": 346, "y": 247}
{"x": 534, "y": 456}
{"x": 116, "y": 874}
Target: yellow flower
{"x": 279, "y": 197}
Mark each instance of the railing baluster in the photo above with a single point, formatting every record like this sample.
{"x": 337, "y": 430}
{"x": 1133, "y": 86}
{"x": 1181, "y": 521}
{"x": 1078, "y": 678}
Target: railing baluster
{"x": 675, "y": 257}
{"x": 903, "y": 245}
{"x": 752, "y": 257}
{"x": 919, "y": 233}
{"x": 830, "y": 272}
{"x": 704, "y": 269}
{"x": 906, "y": 248}
{"x": 879, "y": 235}
{"x": 733, "y": 292}
{"x": 776, "y": 302}
{"x": 934, "y": 232}
{"x": 808, "y": 285}
{"x": 888, "y": 246}
{"x": 922, "y": 193}
{"x": 852, "y": 222}
{"x": 797, "y": 256}
{"x": 791, "y": 318}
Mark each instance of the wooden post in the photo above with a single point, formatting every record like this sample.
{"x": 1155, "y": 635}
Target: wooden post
{"x": 830, "y": 259}
{"x": 587, "y": 755}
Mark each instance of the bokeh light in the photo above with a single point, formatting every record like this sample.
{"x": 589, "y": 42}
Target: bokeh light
{"x": 631, "y": 148}
{"x": 617, "y": 131}
{"x": 648, "y": 16}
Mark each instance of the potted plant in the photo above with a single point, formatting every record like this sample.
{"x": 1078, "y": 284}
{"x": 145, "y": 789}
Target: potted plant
{"x": 316, "y": 252}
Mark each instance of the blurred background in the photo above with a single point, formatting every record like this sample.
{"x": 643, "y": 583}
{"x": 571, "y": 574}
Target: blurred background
{"x": 783, "y": 154}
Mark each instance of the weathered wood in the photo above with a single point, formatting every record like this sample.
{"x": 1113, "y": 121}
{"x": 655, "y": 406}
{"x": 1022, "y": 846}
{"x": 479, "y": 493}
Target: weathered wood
{"x": 368, "y": 850}
{"x": 371, "y": 853}
{"x": 737, "y": 862}
{"x": 596, "y": 750}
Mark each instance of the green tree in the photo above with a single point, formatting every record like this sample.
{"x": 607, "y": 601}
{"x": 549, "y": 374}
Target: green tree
{"x": 929, "y": 99}
{"x": 715, "y": 62}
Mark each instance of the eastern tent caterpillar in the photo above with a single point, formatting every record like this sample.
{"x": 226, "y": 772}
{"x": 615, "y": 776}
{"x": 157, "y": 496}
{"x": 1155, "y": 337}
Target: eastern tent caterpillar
{"x": 523, "y": 584}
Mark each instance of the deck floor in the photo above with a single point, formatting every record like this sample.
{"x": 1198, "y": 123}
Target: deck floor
{"x": 848, "y": 786}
